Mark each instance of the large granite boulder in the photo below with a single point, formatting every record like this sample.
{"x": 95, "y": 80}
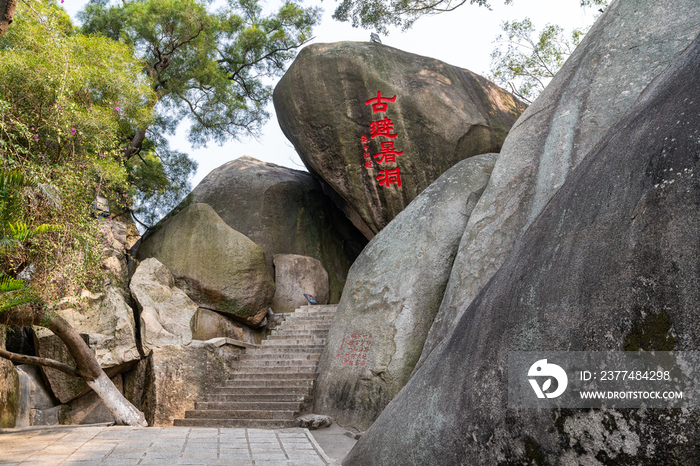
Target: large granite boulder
{"x": 393, "y": 291}
{"x": 627, "y": 47}
{"x": 441, "y": 114}
{"x": 611, "y": 263}
{"x": 283, "y": 211}
{"x": 165, "y": 311}
{"x": 218, "y": 267}
{"x": 208, "y": 324}
{"x": 295, "y": 276}
{"x": 107, "y": 324}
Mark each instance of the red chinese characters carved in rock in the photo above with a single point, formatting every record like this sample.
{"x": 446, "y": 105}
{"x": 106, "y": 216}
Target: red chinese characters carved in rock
{"x": 365, "y": 148}
{"x": 354, "y": 349}
{"x": 387, "y": 154}
{"x": 390, "y": 176}
{"x": 382, "y": 128}
{"x": 379, "y": 103}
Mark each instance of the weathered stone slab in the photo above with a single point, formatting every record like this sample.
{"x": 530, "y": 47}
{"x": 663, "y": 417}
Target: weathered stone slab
{"x": 609, "y": 264}
{"x": 216, "y": 266}
{"x": 208, "y": 324}
{"x": 295, "y": 276}
{"x": 432, "y": 115}
{"x": 165, "y": 311}
{"x": 35, "y": 397}
{"x": 176, "y": 377}
{"x": 627, "y": 47}
{"x": 392, "y": 294}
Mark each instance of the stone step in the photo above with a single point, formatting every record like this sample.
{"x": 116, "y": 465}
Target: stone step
{"x": 235, "y": 383}
{"x": 273, "y": 382}
{"x": 287, "y": 349}
{"x": 240, "y": 423}
{"x": 300, "y": 332}
{"x": 309, "y": 315}
{"x": 278, "y": 356}
{"x": 309, "y": 319}
{"x": 240, "y": 414}
{"x": 249, "y": 405}
{"x": 276, "y": 362}
{"x": 262, "y": 390}
{"x": 274, "y": 376}
{"x": 304, "y": 324}
{"x": 256, "y": 397}
{"x": 309, "y": 367}
{"x": 274, "y": 340}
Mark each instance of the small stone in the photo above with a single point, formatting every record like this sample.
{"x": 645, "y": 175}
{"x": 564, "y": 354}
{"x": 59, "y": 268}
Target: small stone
{"x": 314, "y": 421}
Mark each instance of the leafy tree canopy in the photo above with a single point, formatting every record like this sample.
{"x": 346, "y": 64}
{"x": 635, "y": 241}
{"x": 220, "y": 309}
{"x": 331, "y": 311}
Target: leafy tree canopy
{"x": 211, "y": 68}
{"x": 525, "y": 61}
{"x": 379, "y": 15}
{"x": 67, "y": 101}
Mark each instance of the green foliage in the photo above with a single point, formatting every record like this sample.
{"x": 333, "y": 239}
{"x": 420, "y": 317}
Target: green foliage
{"x": 207, "y": 67}
{"x": 14, "y": 235}
{"x": 379, "y": 15}
{"x": 67, "y": 104}
{"x": 529, "y": 60}
{"x": 161, "y": 175}
{"x": 211, "y": 68}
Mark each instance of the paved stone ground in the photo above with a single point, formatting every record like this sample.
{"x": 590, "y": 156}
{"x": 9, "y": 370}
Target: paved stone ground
{"x": 117, "y": 446}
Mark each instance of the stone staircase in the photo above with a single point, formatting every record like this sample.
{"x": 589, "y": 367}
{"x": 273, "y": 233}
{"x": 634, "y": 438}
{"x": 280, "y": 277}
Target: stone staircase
{"x": 274, "y": 382}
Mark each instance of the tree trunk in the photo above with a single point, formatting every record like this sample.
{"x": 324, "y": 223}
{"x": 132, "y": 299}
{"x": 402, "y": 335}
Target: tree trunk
{"x": 135, "y": 143}
{"x": 7, "y": 14}
{"x": 87, "y": 366}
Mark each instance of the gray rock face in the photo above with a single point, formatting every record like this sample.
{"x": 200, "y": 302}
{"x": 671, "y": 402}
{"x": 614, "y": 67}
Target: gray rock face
{"x": 176, "y": 377}
{"x": 441, "y": 115}
{"x": 610, "y": 264}
{"x": 35, "y": 397}
{"x": 219, "y": 268}
{"x": 393, "y": 291}
{"x": 627, "y": 47}
{"x": 208, "y": 324}
{"x": 295, "y": 276}
{"x": 108, "y": 322}
{"x": 281, "y": 210}
{"x": 9, "y": 390}
{"x": 165, "y": 311}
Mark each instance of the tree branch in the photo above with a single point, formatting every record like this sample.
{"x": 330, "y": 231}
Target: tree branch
{"x": 24, "y": 359}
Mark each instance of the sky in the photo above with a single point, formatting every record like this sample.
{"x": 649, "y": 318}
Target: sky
{"x": 464, "y": 38}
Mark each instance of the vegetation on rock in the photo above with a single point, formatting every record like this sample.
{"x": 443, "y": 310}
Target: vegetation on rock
{"x": 382, "y": 14}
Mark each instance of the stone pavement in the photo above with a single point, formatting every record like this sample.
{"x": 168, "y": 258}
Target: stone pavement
{"x": 120, "y": 446}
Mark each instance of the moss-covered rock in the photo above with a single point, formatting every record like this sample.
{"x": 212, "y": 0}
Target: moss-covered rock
{"x": 216, "y": 266}
{"x": 283, "y": 211}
